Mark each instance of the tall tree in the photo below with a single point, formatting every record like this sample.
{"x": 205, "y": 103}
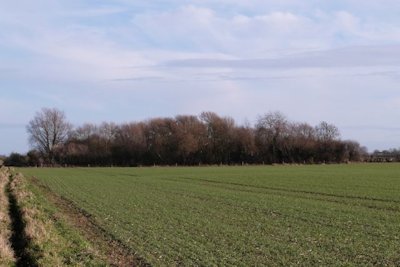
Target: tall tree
{"x": 219, "y": 135}
{"x": 47, "y": 131}
{"x": 191, "y": 134}
{"x": 271, "y": 134}
{"x": 327, "y": 132}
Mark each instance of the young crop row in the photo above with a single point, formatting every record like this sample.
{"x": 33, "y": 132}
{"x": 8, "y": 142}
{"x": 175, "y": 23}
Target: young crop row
{"x": 277, "y": 215}
{"x": 33, "y": 232}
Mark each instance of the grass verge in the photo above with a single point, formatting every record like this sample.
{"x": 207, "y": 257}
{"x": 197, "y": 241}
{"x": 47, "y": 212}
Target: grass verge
{"x": 50, "y": 241}
{"x": 6, "y": 252}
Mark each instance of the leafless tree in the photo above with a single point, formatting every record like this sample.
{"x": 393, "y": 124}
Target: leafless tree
{"x": 220, "y": 136}
{"x": 47, "y": 131}
{"x": 191, "y": 134}
{"x": 85, "y": 131}
{"x": 327, "y": 132}
{"x": 271, "y": 133}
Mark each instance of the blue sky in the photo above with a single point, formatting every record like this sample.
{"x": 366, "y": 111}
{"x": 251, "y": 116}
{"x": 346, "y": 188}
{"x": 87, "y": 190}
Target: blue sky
{"x": 123, "y": 61}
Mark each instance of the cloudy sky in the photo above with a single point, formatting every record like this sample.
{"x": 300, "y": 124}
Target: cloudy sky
{"x": 127, "y": 60}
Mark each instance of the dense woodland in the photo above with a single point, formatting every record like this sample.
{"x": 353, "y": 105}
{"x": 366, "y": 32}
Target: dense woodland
{"x": 184, "y": 140}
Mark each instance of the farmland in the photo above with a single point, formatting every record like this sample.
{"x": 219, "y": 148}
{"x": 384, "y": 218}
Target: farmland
{"x": 252, "y": 215}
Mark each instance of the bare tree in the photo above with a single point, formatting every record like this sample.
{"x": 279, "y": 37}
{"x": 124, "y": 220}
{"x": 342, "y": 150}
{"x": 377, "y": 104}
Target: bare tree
{"x": 271, "y": 133}
{"x": 191, "y": 134}
{"x": 327, "y": 132}
{"x": 47, "y": 131}
{"x": 219, "y": 134}
{"x": 85, "y": 131}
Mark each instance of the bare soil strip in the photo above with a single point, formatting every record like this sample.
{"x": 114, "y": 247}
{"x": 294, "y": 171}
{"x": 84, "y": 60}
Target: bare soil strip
{"x": 118, "y": 254}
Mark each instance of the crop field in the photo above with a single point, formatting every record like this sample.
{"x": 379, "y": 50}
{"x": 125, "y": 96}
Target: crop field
{"x": 246, "y": 216}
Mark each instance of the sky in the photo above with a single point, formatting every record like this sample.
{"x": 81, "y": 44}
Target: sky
{"x": 125, "y": 60}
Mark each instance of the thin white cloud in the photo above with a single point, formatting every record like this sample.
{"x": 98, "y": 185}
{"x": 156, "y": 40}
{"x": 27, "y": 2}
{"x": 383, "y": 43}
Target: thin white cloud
{"x": 360, "y": 56}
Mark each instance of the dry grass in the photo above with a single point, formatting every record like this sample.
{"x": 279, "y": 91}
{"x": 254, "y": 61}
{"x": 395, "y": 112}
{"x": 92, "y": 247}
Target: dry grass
{"x": 50, "y": 241}
{"x": 6, "y": 252}
{"x": 38, "y": 230}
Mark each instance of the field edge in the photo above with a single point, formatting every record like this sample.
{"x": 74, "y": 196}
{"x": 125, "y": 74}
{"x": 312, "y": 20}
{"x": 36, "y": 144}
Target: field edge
{"x": 118, "y": 254}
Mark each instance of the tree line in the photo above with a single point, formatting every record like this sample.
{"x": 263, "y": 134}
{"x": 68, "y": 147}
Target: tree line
{"x": 184, "y": 140}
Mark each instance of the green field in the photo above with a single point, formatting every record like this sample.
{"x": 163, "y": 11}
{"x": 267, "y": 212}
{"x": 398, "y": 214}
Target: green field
{"x": 246, "y": 216}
